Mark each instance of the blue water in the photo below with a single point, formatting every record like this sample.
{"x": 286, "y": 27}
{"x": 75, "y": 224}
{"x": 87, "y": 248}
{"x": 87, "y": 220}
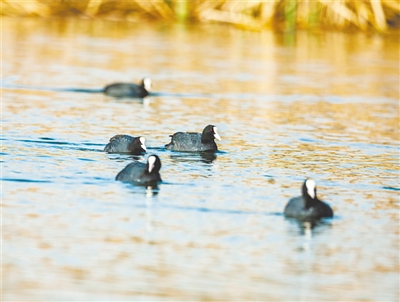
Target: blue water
{"x": 213, "y": 229}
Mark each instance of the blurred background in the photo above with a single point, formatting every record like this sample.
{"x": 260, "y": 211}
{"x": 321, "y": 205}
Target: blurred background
{"x": 296, "y": 88}
{"x": 380, "y": 15}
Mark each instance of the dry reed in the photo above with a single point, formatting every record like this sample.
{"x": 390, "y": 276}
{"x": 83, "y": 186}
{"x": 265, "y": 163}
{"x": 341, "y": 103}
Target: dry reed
{"x": 250, "y": 14}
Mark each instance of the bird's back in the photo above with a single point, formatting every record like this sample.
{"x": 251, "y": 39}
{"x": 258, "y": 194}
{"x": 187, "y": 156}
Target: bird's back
{"x": 119, "y": 143}
{"x": 296, "y": 209}
{"x": 132, "y": 172}
{"x": 189, "y": 141}
{"x": 124, "y": 90}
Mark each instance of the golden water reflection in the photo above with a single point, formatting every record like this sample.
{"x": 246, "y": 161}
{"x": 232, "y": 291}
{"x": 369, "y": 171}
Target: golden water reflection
{"x": 324, "y": 106}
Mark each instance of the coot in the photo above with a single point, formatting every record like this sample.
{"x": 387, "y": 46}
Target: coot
{"x": 308, "y": 206}
{"x": 142, "y": 174}
{"x": 126, "y": 144}
{"x": 129, "y": 90}
{"x": 195, "y": 142}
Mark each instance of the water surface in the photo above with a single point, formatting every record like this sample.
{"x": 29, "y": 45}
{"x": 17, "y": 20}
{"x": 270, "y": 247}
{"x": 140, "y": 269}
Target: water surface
{"x": 321, "y": 105}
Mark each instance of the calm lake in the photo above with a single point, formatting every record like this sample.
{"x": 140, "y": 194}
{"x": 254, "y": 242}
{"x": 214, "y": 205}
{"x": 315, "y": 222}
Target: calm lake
{"x": 316, "y": 104}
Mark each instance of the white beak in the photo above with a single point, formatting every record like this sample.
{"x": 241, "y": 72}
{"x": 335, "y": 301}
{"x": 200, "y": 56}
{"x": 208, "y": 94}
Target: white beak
{"x": 310, "y": 184}
{"x": 142, "y": 140}
{"x": 147, "y": 84}
{"x": 216, "y": 135}
{"x": 151, "y": 161}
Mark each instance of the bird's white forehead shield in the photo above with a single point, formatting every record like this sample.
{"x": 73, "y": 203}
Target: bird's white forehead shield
{"x": 143, "y": 141}
{"x": 151, "y": 160}
{"x": 147, "y": 84}
{"x": 216, "y": 135}
{"x": 310, "y": 185}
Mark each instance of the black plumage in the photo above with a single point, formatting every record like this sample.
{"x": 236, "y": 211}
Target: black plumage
{"x": 140, "y": 173}
{"x": 195, "y": 142}
{"x": 126, "y": 144}
{"x": 129, "y": 89}
{"x": 308, "y": 206}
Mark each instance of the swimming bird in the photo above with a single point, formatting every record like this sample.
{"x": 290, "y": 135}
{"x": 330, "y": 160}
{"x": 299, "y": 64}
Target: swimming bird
{"x": 126, "y": 144}
{"x": 140, "y": 173}
{"x": 308, "y": 206}
{"x": 129, "y": 90}
{"x": 195, "y": 142}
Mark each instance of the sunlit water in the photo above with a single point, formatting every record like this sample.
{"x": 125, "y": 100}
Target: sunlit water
{"x": 321, "y": 105}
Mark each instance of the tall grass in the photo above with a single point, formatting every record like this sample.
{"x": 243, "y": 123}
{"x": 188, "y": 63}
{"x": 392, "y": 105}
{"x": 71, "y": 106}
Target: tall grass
{"x": 250, "y": 14}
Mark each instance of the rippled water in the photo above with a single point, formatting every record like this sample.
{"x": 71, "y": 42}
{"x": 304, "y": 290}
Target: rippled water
{"x": 321, "y": 105}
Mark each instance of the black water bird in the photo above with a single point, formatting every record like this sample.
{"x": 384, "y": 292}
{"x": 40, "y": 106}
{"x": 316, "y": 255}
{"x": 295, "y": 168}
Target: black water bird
{"x": 129, "y": 90}
{"x": 140, "y": 173}
{"x": 308, "y": 207}
{"x": 195, "y": 142}
{"x": 126, "y": 144}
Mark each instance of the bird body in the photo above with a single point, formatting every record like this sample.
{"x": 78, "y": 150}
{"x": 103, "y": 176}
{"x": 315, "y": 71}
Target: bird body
{"x": 195, "y": 142}
{"x": 308, "y": 206}
{"x": 126, "y": 144}
{"x": 129, "y": 89}
{"x": 296, "y": 209}
{"x": 140, "y": 173}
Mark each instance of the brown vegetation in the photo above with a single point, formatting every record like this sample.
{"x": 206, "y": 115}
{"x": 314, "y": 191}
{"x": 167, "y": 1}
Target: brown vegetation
{"x": 380, "y": 15}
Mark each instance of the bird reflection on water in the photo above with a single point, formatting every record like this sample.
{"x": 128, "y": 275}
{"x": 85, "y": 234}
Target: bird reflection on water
{"x": 124, "y": 157}
{"x": 205, "y": 157}
{"x": 312, "y": 227}
{"x": 149, "y": 191}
